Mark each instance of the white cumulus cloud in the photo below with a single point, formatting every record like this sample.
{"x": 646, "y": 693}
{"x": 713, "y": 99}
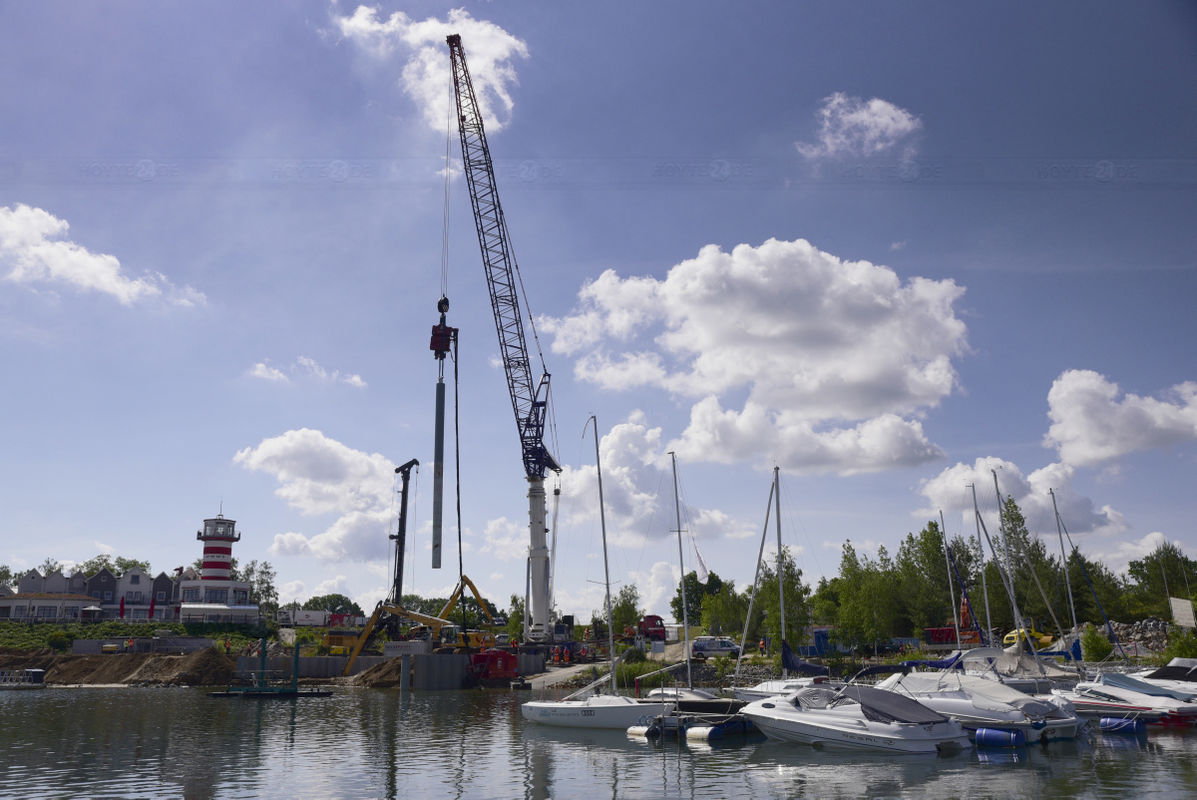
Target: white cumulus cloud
{"x": 853, "y": 127}
{"x": 949, "y": 492}
{"x": 490, "y": 53}
{"x": 318, "y": 475}
{"x": 830, "y": 359}
{"x": 1093, "y": 423}
{"x": 34, "y": 250}
{"x": 304, "y": 368}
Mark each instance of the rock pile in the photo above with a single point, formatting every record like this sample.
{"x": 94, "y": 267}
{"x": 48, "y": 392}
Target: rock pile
{"x": 1147, "y": 634}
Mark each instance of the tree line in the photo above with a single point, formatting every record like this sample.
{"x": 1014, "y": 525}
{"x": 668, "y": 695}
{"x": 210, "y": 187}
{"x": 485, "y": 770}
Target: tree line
{"x": 876, "y": 599}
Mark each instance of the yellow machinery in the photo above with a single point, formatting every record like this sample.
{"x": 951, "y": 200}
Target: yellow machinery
{"x": 472, "y": 639}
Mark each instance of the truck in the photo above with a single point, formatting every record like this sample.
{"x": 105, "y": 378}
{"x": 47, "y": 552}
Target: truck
{"x": 303, "y": 617}
{"x": 651, "y": 627}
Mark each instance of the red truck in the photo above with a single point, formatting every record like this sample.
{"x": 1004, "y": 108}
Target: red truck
{"x": 652, "y": 627}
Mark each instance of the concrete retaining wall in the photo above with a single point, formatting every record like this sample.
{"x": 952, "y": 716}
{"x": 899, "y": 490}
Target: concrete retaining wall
{"x": 444, "y": 671}
{"x": 165, "y": 644}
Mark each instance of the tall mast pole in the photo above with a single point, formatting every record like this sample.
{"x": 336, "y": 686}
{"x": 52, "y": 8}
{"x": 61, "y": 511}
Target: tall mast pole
{"x": 781, "y": 584}
{"x": 598, "y": 467}
{"x": 984, "y": 587}
{"x": 947, "y": 560}
{"x": 682, "y": 565}
{"x": 1063, "y": 555}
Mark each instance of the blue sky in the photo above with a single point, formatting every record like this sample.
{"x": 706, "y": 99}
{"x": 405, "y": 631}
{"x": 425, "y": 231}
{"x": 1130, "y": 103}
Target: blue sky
{"x": 885, "y": 247}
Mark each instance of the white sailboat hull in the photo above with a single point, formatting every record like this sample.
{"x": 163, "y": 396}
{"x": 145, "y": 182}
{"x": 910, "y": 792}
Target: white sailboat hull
{"x": 598, "y": 711}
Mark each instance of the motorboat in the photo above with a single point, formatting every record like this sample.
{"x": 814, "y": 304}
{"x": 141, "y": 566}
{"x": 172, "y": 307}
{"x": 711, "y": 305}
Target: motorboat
{"x": 1123, "y": 696}
{"x": 776, "y": 686}
{"x": 1017, "y": 669}
{"x": 856, "y": 718}
{"x": 595, "y": 711}
{"x": 977, "y": 702}
{"x": 1146, "y": 686}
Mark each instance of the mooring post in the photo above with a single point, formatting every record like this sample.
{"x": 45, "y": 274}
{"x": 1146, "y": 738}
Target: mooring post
{"x": 404, "y": 673}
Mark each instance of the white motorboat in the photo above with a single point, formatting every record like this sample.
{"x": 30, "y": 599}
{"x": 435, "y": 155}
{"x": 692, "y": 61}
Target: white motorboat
{"x": 856, "y": 718}
{"x": 595, "y": 711}
{"x": 977, "y": 702}
{"x": 776, "y": 686}
{"x": 1126, "y": 697}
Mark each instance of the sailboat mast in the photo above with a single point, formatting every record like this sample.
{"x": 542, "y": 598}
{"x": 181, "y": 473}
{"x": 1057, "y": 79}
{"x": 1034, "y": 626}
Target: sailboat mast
{"x": 984, "y": 588}
{"x": 947, "y": 560}
{"x": 1064, "y": 556}
{"x": 781, "y": 584}
{"x": 677, "y": 508}
{"x": 606, "y": 569}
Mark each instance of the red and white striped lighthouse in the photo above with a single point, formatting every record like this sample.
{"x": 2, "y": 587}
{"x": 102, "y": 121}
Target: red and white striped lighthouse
{"x": 218, "y": 536}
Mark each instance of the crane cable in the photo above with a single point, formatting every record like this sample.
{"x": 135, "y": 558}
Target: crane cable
{"x": 448, "y": 171}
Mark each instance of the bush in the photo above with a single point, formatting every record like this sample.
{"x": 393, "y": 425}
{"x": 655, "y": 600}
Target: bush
{"x": 1094, "y": 644}
{"x": 58, "y": 640}
{"x": 1182, "y": 644}
{"x": 634, "y": 656}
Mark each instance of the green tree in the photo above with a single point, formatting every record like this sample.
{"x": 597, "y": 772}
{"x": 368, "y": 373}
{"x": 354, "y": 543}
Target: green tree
{"x": 923, "y": 580}
{"x": 6, "y": 576}
{"x": 515, "y": 618}
{"x": 625, "y": 608}
{"x": 869, "y": 602}
{"x": 118, "y": 566}
{"x": 696, "y": 594}
{"x": 49, "y": 565}
{"x": 825, "y": 602}
{"x": 333, "y": 603}
{"x": 260, "y": 577}
{"x": 723, "y": 612}
{"x": 1162, "y": 573}
{"x": 797, "y": 601}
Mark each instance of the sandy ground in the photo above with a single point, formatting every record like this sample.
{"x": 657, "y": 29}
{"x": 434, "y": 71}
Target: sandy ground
{"x": 201, "y": 668}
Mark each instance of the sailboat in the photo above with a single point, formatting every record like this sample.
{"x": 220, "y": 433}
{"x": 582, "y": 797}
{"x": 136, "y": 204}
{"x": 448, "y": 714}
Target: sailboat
{"x": 582, "y": 710}
{"x": 806, "y": 674}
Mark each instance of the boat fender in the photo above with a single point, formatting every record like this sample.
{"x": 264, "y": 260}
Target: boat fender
{"x": 994, "y": 737}
{"x": 644, "y": 731}
{"x": 1132, "y": 726}
{"x": 703, "y": 733}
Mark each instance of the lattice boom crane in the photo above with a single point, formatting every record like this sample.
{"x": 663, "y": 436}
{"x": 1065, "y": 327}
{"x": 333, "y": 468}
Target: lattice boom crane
{"x": 529, "y": 398}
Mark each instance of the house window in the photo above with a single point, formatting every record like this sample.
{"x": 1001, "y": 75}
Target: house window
{"x": 191, "y": 595}
{"x": 71, "y": 612}
{"x": 160, "y": 595}
{"x": 216, "y": 596}
{"x": 107, "y": 596}
{"x": 134, "y": 579}
{"x": 47, "y": 612}
{"x": 240, "y": 597}
{"x": 20, "y": 612}
{"x": 133, "y": 597}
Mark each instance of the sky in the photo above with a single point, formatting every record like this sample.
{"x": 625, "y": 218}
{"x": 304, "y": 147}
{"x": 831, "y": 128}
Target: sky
{"x": 890, "y": 249}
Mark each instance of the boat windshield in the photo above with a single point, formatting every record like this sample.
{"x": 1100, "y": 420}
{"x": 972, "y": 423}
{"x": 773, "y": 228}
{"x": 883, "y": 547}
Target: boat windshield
{"x": 879, "y": 705}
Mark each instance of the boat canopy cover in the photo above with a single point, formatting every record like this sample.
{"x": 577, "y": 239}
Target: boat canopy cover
{"x": 951, "y": 662}
{"x": 882, "y": 706}
{"x": 791, "y": 662}
{"x": 1171, "y": 673}
{"x": 1134, "y": 684}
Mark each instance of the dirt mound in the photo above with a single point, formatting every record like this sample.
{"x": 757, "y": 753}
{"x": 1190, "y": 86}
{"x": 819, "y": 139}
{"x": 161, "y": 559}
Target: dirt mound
{"x": 201, "y": 668}
{"x": 205, "y": 668}
{"x": 380, "y": 676}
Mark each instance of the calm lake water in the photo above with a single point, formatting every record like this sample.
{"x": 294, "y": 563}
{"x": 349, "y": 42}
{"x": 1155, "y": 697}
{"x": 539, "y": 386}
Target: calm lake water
{"x": 370, "y": 743}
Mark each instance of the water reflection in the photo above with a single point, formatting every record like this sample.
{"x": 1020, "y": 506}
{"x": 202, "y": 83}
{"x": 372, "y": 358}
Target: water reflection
{"x": 361, "y": 743}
